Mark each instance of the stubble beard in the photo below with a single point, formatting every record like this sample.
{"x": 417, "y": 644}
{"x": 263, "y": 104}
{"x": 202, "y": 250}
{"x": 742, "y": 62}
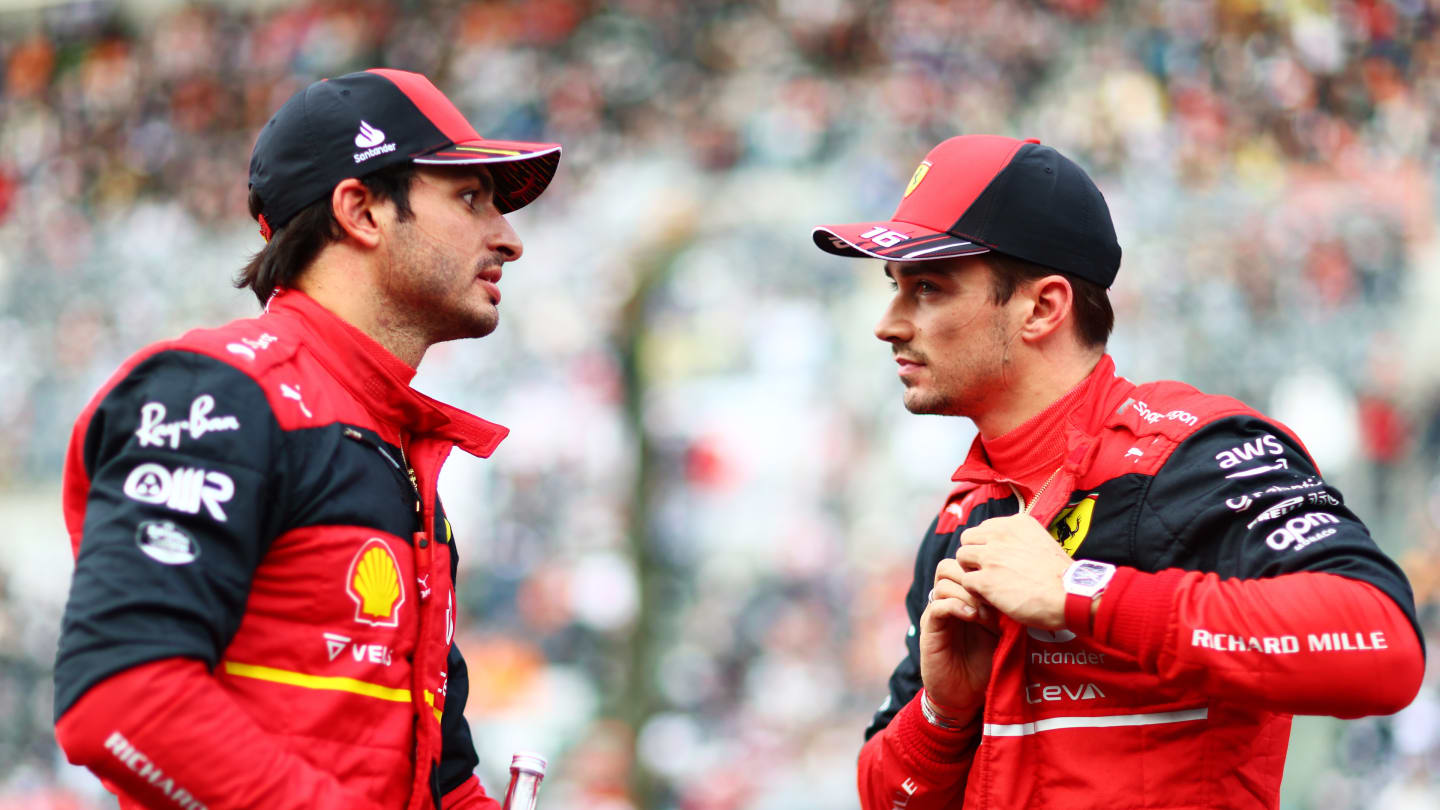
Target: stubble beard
{"x": 435, "y": 290}
{"x": 965, "y": 389}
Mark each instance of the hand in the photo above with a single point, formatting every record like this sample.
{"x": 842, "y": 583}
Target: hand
{"x": 1015, "y": 565}
{"x": 957, "y": 642}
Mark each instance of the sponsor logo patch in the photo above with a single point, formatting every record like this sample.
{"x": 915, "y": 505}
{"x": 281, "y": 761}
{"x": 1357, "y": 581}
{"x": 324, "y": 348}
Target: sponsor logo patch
{"x": 1296, "y": 531}
{"x": 247, "y": 348}
{"x": 1266, "y": 445}
{"x": 1250, "y": 472}
{"x": 293, "y": 392}
{"x": 154, "y": 431}
{"x": 335, "y": 645}
{"x": 185, "y": 489}
{"x": 916, "y": 178}
{"x": 368, "y": 136}
{"x": 1281, "y": 509}
{"x": 145, "y": 768}
{"x": 1073, "y": 523}
{"x": 374, "y": 585}
{"x": 370, "y": 141}
{"x": 164, "y": 542}
{"x": 1046, "y": 693}
{"x": 1081, "y": 658}
{"x": 1242, "y": 503}
{"x": 1150, "y": 417}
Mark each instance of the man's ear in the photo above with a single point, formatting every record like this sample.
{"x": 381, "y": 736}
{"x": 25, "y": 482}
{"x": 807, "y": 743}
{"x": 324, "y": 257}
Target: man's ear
{"x": 356, "y": 208}
{"x": 1053, "y": 301}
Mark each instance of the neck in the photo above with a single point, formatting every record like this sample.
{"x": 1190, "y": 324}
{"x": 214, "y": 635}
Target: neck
{"x": 1035, "y": 386}
{"x": 337, "y": 283}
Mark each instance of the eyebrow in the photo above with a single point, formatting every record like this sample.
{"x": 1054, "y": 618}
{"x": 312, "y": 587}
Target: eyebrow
{"x": 909, "y": 269}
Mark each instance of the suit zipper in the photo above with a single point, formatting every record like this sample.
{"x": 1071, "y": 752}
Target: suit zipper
{"x": 405, "y": 472}
{"x": 1026, "y": 507}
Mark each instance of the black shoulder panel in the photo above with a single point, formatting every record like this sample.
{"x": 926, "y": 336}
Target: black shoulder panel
{"x": 186, "y": 493}
{"x": 1241, "y": 498}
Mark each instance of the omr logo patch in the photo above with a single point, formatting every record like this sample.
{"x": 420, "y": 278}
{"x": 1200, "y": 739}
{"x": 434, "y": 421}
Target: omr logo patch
{"x": 1073, "y": 523}
{"x": 375, "y": 585}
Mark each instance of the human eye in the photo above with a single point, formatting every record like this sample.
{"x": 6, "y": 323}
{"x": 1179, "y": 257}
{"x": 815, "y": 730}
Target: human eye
{"x": 471, "y": 197}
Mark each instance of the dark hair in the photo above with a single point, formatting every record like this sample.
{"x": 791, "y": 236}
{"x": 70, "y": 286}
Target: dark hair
{"x": 295, "y": 245}
{"x": 1094, "y": 318}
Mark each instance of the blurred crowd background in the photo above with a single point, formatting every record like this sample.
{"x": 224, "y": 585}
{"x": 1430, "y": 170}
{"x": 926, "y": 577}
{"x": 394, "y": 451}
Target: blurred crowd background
{"x": 682, "y": 574}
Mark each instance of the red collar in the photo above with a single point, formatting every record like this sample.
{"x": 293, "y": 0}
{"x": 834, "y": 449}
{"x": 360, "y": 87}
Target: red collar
{"x": 380, "y": 379}
{"x": 1082, "y": 412}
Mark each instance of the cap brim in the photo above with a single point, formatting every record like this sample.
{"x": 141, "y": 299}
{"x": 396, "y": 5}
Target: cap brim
{"x": 522, "y": 170}
{"x": 916, "y": 243}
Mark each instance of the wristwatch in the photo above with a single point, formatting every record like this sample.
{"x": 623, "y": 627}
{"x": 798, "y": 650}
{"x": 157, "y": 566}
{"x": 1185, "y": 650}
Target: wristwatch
{"x": 1084, "y": 580}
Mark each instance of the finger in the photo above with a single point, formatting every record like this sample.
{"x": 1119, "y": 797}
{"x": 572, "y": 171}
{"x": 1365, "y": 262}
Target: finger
{"x": 948, "y": 569}
{"x": 950, "y": 608}
{"x": 949, "y": 589}
{"x": 976, "y": 582}
{"x": 968, "y": 558}
{"x": 975, "y": 535}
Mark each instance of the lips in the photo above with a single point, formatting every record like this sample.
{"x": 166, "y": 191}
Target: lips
{"x": 489, "y": 278}
{"x": 907, "y": 364}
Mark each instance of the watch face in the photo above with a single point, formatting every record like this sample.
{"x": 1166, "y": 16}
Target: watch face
{"x": 1087, "y": 578}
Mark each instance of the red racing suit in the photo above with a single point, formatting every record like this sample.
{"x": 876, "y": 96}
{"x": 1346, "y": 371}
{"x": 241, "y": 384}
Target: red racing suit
{"x": 262, "y": 612}
{"x": 1245, "y": 592}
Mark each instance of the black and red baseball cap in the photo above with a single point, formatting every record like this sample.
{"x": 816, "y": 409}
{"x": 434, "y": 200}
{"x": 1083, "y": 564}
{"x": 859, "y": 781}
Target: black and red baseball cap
{"x": 977, "y": 193}
{"x": 362, "y": 122}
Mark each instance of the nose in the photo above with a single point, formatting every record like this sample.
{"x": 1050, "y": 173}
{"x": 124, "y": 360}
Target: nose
{"x": 502, "y": 239}
{"x": 893, "y": 326}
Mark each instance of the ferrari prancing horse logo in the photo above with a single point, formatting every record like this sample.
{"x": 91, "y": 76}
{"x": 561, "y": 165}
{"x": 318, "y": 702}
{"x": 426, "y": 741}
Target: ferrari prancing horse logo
{"x": 920, "y": 172}
{"x": 1073, "y": 523}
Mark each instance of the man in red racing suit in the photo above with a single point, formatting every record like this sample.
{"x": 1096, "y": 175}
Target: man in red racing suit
{"x": 1132, "y": 588}
{"x": 263, "y": 612}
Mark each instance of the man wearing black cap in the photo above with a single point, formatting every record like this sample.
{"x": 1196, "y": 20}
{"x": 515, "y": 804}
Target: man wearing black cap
{"x": 1132, "y": 587}
{"x": 263, "y": 611}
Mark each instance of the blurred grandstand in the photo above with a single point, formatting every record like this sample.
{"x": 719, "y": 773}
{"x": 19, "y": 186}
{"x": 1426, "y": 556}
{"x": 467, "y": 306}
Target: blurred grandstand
{"x": 682, "y": 573}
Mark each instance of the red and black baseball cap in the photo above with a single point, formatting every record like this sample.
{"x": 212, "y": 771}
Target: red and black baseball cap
{"x": 977, "y": 193}
{"x": 362, "y": 122}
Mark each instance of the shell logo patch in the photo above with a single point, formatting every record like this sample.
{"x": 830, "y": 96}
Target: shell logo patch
{"x": 1073, "y": 523}
{"x": 920, "y": 172}
{"x": 374, "y": 585}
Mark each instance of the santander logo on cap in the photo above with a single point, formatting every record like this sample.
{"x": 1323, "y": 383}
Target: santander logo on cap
{"x": 368, "y": 136}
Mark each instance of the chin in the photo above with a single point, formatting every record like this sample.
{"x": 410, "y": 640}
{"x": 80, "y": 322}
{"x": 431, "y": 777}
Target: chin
{"x": 917, "y": 402}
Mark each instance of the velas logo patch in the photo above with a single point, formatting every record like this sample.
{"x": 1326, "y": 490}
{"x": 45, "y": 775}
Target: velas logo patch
{"x": 920, "y": 172}
{"x": 368, "y": 136}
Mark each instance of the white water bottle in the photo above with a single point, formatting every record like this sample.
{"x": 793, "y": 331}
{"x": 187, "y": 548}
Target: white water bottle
{"x": 526, "y": 772}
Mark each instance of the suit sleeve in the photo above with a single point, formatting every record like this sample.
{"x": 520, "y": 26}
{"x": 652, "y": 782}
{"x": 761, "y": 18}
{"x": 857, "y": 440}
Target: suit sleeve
{"x": 186, "y": 488}
{"x": 906, "y": 761}
{"x": 1293, "y": 607}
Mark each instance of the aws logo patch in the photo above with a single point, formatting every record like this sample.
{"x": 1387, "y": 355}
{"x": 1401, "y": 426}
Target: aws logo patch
{"x": 375, "y": 585}
{"x": 1073, "y": 523}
